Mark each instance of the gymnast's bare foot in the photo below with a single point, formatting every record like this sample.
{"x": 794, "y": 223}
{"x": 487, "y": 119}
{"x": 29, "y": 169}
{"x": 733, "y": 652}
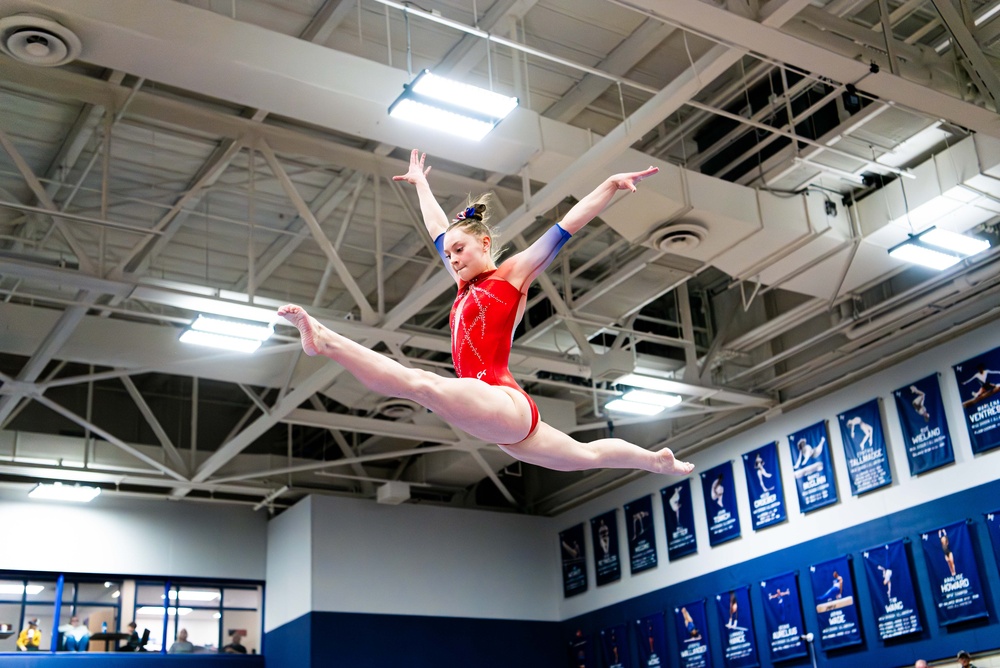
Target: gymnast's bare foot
{"x": 309, "y": 329}
{"x": 669, "y": 465}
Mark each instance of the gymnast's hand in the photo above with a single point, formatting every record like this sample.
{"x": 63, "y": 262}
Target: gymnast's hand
{"x": 416, "y": 173}
{"x": 627, "y": 181}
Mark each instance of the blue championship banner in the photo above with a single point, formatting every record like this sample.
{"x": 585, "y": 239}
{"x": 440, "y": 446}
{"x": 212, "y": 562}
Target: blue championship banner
{"x": 864, "y": 447}
{"x": 692, "y": 635}
{"x": 679, "y": 516}
{"x": 978, "y": 381}
{"x": 891, "y": 585}
{"x": 813, "y": 469}
{"x": 767, "y": 498}
{"x": 924, "y": 425}
{"x": 720, "y": 503}
{"x": 641, "y": 540}
{"x": 993, "y": 526}
{"x": 783, "y": 617}
{"x": 738, "y": 642}
{"x": 580, "y": 655}
{"x": 833, "y": 593}
{"x": 955, "y": 584}
{"x": 650, "y": 632}
{"x": 614, "y": 642}
{"x": 604, "y": 532}
{"x": 574, "y": 564}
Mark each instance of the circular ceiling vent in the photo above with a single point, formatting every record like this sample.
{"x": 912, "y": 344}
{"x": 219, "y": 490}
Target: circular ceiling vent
{"x": 397, "y": 409}
{"x": 678, "y": 238}
{"x": 37, "y": 40}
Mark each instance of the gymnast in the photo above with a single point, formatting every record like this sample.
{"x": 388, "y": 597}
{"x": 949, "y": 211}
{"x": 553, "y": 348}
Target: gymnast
{"x": 484, "y": 400}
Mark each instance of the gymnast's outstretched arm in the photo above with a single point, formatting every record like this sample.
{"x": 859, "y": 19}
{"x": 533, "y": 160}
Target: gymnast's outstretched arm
{"x": 435, "y": 219}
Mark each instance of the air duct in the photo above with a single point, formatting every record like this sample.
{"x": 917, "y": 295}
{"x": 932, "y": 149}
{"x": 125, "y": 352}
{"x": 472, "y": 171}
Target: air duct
{"x": 37, "y": 40}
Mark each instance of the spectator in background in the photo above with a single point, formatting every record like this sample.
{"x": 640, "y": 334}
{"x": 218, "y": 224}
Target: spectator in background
{"x": 965, "y": 659}
{"x": 132, "y": 645}
{"x": 30, "y": 638}
{"x": 76, "y": 636}
{"x": 235, "y": 645}
{"x": 181, "y": 645}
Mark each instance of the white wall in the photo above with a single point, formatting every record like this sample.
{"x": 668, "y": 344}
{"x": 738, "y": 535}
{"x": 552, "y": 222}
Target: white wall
{"x": 288, "y": 592}
{"x": 905, "y": 491}
{"x": 132, "y": 537}
{"x": 425, "y": 560}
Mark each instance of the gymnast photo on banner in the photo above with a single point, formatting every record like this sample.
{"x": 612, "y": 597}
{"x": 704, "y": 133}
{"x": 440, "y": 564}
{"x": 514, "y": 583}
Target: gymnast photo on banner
{"x": 890, "y": 583}
{"x": 650, "y": 634}
{"x": 679, "y": 517}
{"x": 978, "y": 380}
{"x": 812, "y": 468}
{"x": 865, "y": 447}
{"x": 692, "y": 635}
{"x": 641, "y": 537}
{"x": 719, "y": 492}
{"x": 739, "y": 643}
{"x": 604, "y": 532}
{"x": 833, "y": 593}
{"x": 783, "y": 617}
{"x": 924, "y": 425}
{"x": 767, "y": 498}
{"x": 574, "y": 564}
{"x": 614, "y": 643}
{"x": 955, "y": 583}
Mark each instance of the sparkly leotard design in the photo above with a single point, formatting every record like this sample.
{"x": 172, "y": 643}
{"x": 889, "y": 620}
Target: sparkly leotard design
{"x": 483, "y": 318}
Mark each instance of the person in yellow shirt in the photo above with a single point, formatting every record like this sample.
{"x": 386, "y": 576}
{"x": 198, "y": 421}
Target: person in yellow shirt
{"x": 31, "y": 637}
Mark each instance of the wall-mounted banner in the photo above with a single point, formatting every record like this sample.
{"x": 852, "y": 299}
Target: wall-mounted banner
{"x": 891, "y": 585}
{"x": 580, "y": 654}
{"x": 833, "y": 593}
{"x": 720, "y": 503}
{"x": 767, "y": 498}
{"x": 924, "y": 425}
{"x": 692, "y": 635}
{"x": 735, "y": 617}
{"x": 614, "y": 642}
{"x": 813, "y": 468}
{"x": 955, "y": 584}
{"x": 993, "y": 526}
{"x": 864, "y": 447}
{"x": 604, "y": 533}
{"x": 783, "y": 617}
{"x": 574, "y": 564}
{"x": 679, "y": 516}
{"x": 641, "y": 537}
{"x": 650, "y": 632}
{"x": 978, "y": 381}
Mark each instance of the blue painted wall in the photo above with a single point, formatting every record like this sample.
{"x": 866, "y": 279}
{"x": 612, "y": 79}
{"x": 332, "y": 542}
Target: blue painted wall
{"x": 934, "y": 642}
{"x": 346, "y": 639}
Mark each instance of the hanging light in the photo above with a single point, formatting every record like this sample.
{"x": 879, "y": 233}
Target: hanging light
{"x": 937, "y": 248}
{"x": 60, "y": 492}
{"x": 450, "y": 106}
{"x": 243, "y": 336}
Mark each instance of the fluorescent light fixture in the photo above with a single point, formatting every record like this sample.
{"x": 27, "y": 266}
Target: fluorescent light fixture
{"x": 157, "y": 611}
{"x": 60, "y": 492}
{"x": 17, "y": 589}
{"x": 117, "y": 593}
{"x": 457, "y": 108}
{"x": 226, "y": 333}
{"x": 647, "y": 382}
{"x": 632, "y": 407}
{"x": 192, "y": 595}
{"x": 654, "y": 398}
{"x": 937, "y": 249}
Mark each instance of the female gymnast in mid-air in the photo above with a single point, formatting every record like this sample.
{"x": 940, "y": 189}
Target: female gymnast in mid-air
{"x": 484, "y": 400}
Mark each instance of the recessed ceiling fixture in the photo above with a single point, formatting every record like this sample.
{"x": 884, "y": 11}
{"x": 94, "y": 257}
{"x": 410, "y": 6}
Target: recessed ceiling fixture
{"x": 937, "y": 249}
{"x": 450, "y": 106}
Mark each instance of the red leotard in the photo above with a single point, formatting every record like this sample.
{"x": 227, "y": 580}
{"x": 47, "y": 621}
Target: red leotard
{"x": 483, "y": 318}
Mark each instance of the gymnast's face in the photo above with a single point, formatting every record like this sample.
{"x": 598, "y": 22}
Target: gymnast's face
{"x": 469, "y": 255}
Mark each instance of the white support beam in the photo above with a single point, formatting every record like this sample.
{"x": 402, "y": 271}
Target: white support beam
{"x": 168, "y": 446}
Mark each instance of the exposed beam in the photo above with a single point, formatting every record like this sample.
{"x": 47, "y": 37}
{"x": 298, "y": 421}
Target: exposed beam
{"x": 979, "y": 68}
{"x": 168, "y": 447}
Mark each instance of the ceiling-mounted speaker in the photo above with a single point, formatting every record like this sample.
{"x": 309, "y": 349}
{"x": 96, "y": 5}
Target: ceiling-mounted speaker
{"x": 36, "y": 40}
{"x": 678, "y": 238}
